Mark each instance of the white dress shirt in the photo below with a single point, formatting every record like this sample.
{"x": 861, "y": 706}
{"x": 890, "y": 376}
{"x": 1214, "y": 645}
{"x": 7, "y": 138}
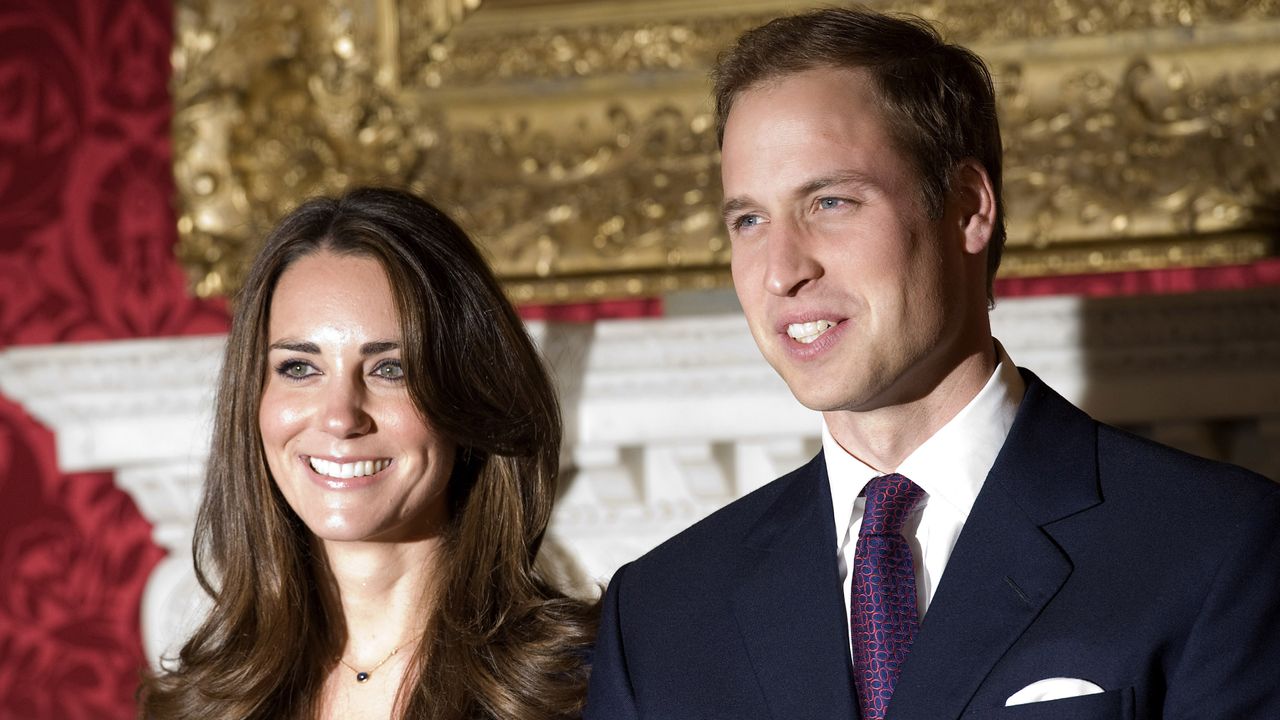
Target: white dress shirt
{"x": 950, "y": 467}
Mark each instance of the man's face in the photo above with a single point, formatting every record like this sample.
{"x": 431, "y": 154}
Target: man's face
{"x": 850, "y": 289}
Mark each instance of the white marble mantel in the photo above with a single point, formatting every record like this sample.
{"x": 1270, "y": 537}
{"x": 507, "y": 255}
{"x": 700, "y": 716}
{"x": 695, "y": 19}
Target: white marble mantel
{"x": 667, "y": 419}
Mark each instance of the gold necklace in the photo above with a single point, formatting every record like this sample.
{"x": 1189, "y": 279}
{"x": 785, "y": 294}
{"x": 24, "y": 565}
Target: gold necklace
{"x": 364, "y": 675}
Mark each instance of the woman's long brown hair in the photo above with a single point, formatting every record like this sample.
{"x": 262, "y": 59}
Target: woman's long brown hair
{"x": 501, "y": 640}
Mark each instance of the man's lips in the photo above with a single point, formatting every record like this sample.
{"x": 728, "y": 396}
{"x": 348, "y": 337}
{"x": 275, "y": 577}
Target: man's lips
{"x": 807, "y": 316}
{"x": 809, "y": 339}
{"x": 808, "y": 327}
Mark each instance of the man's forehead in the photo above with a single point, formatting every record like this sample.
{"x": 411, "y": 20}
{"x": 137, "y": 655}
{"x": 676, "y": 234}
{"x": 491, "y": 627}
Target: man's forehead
{"x": 854, "y": 79}
{"x": 829, "y": 99}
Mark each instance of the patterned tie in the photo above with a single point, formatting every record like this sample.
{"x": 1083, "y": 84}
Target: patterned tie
{"x": 884, "y": 618}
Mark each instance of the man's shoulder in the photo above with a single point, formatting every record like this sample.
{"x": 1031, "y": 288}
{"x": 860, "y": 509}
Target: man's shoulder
{"x": 705, "y": 545}
{"x": 1155, "y": 477}
{"x": 1163, "y": 473}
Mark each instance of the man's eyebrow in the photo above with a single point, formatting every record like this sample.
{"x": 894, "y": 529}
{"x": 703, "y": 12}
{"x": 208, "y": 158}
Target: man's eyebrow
{"x": 735, "y": 205}
{"x": 301, "y": 346}
{"x": 732, "y": 206}
{"x": 378, "y": 347}
{"x": 820, "y": 183}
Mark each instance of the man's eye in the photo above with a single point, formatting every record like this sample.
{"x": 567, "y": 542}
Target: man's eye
{"x": 390, "y": 370}
{"x": 746, "y": 221}
{"x": 829, "y": 203}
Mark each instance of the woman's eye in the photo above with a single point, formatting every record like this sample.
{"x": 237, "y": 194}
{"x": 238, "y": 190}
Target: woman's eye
{"x": 390, "y": 370}
{"x": 294, "y": 369}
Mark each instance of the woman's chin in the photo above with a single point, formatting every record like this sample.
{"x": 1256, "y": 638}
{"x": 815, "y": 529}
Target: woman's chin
{"x": 341, "y": 527}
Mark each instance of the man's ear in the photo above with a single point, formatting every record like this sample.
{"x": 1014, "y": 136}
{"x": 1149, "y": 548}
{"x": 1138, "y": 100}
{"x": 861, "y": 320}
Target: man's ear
{"x": 974, "y": 202}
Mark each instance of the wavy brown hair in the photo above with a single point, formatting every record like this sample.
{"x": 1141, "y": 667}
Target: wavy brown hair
{"x": 501, "y": 641}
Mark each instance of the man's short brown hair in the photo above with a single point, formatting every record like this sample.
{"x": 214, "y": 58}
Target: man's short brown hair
{"x": 937, "y": 99}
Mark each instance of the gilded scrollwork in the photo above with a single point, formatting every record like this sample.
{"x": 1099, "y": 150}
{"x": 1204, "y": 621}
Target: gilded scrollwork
{"x": 998, "y": 21}
{"x": 287, "y": 109}
{"x": 1153, "y": 150}
{"x": 550, "y": 52}
{"x": 541, "y": 197}
{"x": 684, "y": 41}
{"x": 574, "y": 139}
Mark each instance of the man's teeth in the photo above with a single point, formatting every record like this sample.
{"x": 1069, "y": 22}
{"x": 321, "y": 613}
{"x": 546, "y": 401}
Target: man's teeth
{"x": 810, "y": 331}
{"x": 348, "y": 470}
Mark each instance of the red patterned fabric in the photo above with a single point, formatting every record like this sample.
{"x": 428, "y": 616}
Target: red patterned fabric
{"x": 1146, "y": 282}
{"x": 592, "y": 311}
{"x": 86, "y": 239}
{"x": 86, "y": 253}
{"x": 85, "y": 175}
{"x": 74, "y": 555}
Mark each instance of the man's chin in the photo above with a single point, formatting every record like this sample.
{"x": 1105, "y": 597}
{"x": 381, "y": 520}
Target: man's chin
{"x": 819, "y": 399}
{"x": 828, "y": 398}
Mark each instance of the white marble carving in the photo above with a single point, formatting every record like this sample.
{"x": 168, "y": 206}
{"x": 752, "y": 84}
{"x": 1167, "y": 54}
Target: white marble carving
{"x": 667, "y": 420}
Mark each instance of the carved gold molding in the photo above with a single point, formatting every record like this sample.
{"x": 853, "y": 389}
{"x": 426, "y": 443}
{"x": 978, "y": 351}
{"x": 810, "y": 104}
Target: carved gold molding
{"x": 574, "y": 139}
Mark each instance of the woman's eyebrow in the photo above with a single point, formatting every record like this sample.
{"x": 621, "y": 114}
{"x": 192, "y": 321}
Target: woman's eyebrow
{"x": 296, "y": 346}
{"x": 377, "y": 347}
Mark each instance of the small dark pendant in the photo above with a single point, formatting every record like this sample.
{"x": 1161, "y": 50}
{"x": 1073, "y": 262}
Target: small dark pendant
{"x": 362, "y": 676}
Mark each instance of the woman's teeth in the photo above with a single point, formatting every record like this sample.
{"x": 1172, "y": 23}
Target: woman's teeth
{"x": 356, "y": 469}
{"x": 809, "y": 331}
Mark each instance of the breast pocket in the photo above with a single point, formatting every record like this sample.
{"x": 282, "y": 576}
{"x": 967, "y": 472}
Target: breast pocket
{"x": 1111, "y": 705}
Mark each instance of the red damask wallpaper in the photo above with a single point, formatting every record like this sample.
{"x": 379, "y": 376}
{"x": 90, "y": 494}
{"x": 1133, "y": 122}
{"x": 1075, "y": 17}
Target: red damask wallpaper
{"x": 86, "y": 239}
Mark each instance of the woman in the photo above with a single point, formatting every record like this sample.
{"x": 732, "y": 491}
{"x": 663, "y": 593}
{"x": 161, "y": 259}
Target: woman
{"x": 384, "y": 461}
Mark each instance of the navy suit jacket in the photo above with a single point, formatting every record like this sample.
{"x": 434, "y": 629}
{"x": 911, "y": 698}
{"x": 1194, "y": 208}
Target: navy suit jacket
{"x": 1089, "y": 553}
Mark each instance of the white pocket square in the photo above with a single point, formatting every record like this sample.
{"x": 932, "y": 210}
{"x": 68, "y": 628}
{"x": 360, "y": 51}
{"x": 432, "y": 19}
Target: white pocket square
{"x": 1052, "y": 689}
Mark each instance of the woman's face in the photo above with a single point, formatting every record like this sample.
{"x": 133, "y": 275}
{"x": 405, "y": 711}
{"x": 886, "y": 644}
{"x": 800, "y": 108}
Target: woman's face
{"x": 343, "y": 440}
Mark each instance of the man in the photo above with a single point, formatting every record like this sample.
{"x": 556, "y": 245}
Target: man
{"x": 967, "y": 544}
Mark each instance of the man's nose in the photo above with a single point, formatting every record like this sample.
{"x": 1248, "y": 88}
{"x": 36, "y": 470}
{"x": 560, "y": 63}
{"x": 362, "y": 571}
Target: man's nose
{"x": 345, "y": 414}
{"x": 790, "y": 262}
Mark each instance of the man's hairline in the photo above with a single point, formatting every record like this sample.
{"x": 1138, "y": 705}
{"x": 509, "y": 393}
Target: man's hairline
{"x": 778, "y": 77}
{"x": 775, "y": 79}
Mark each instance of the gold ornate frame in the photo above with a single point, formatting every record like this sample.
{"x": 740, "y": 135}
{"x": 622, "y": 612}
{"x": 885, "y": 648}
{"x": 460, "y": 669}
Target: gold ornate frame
{"x": 574, "y": 139}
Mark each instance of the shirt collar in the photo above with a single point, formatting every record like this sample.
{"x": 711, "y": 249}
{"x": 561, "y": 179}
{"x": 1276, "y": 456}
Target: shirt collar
{"x": 953, "y": 463}
{"x": 848, "y": 476}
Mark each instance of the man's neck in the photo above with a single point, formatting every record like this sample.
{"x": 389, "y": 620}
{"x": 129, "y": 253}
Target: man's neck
{"x": 883, "y": 437}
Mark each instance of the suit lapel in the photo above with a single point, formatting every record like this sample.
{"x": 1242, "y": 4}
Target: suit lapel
{"x": 1005, "y": 566}
{"x": 788, "y": 604}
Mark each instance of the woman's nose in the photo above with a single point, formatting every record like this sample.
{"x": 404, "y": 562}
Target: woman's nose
{"x": 344, "y": 411}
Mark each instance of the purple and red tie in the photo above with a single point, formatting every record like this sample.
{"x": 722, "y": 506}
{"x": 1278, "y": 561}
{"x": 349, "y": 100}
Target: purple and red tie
{"x": 883, "y": 619}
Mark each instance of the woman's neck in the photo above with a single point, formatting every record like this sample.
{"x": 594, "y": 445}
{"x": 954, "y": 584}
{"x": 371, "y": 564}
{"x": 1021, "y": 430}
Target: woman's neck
{"x": 382, "y": 595}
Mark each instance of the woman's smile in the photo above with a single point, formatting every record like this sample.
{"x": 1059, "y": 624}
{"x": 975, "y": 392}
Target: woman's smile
{"x": 336, "y": 414}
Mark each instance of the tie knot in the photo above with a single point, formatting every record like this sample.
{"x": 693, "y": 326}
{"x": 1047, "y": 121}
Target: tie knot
{"x": 890, "y": 499}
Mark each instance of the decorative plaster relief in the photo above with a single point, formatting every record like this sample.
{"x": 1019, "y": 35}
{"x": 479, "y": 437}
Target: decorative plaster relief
{"x": 668, "y": 419}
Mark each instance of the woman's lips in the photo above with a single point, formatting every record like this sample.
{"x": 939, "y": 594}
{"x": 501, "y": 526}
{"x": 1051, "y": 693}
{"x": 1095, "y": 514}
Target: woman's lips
{"x": 338, "y": 475}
